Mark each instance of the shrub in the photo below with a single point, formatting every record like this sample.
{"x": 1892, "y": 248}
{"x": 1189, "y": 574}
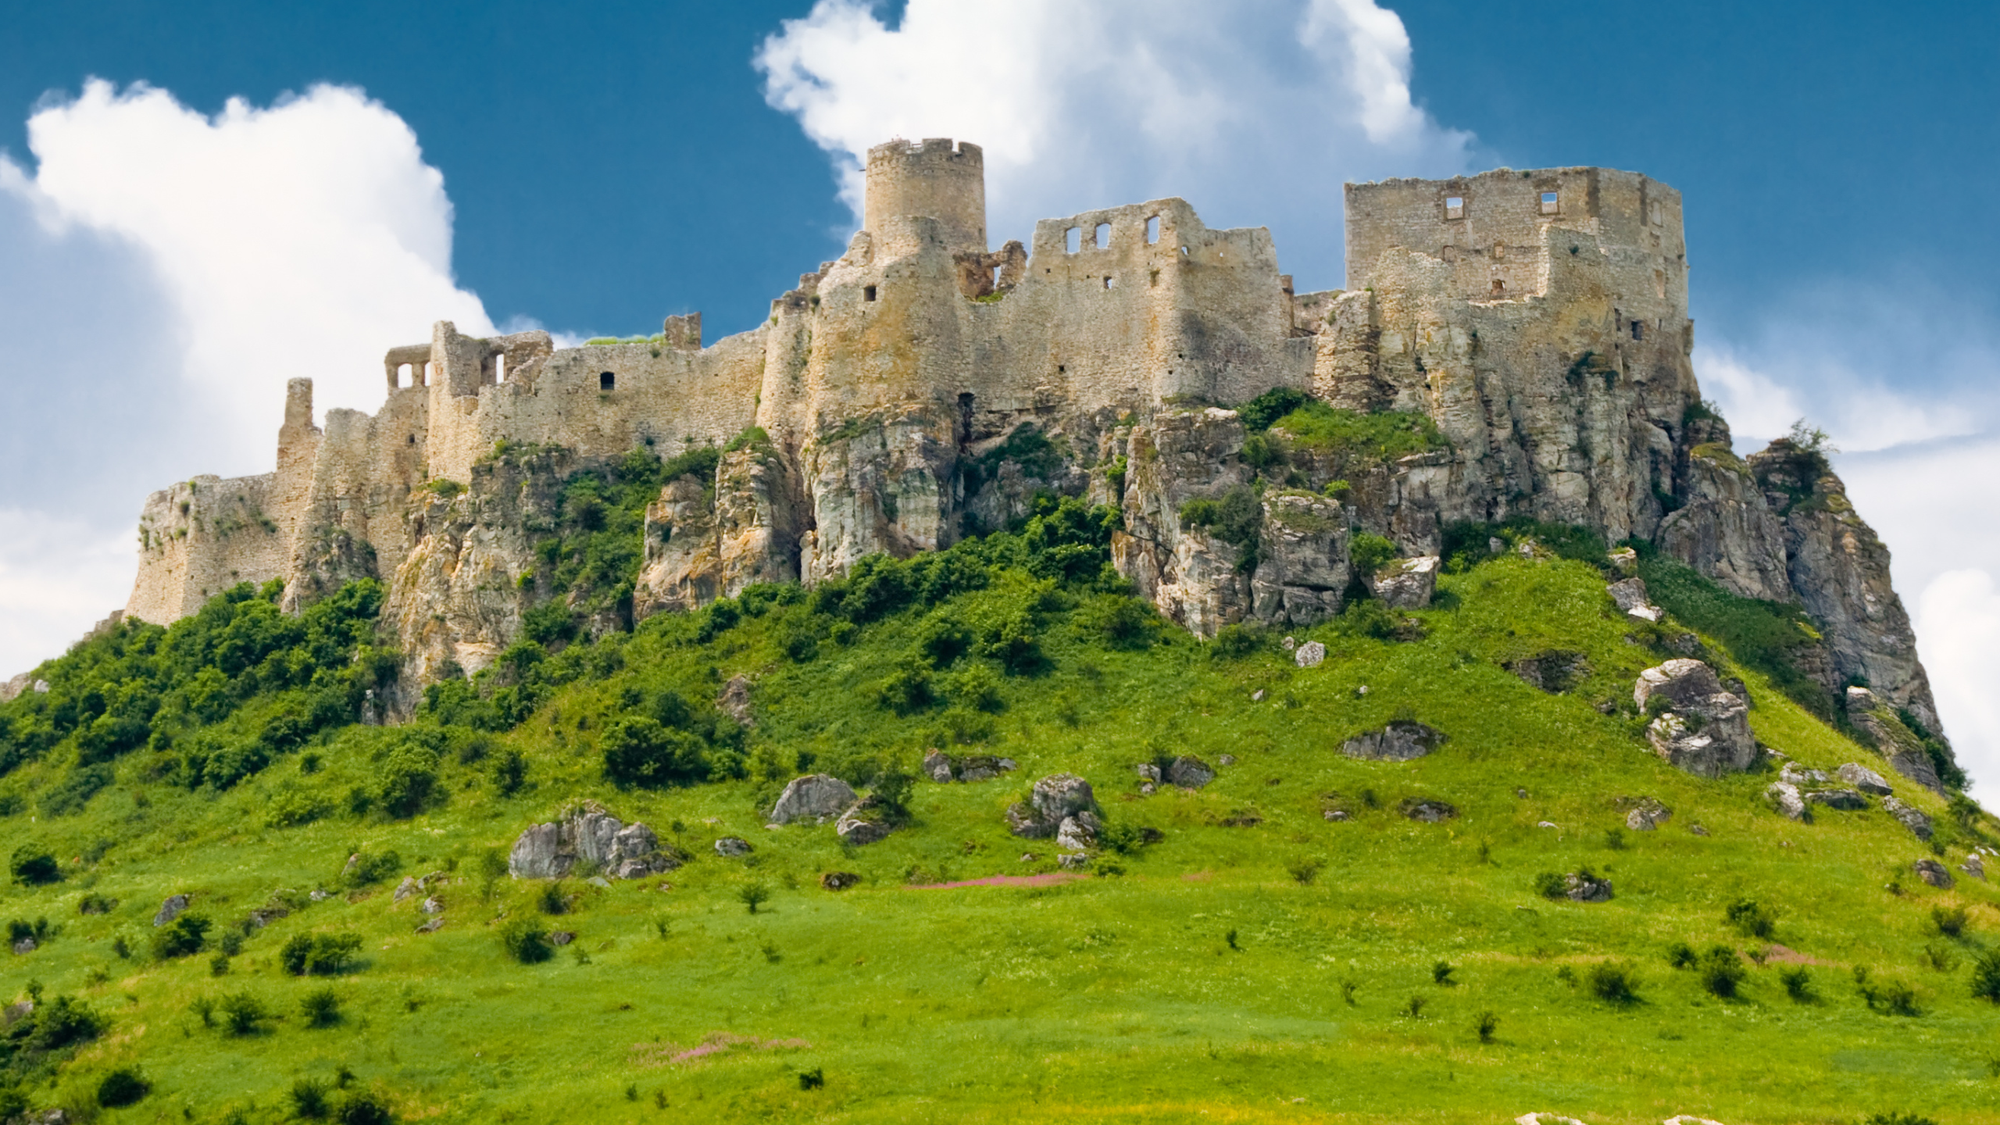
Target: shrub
{"x": 1898, "y": 1119}
{"x": 308, "y": 1098}
{"x": 363, "y": 1108}
{"x": 1488, "y": 1023}
{"x": 1551, "y": 885}
{"x": 753, "y": 896}
{"x": 1414, "y": 1007}
{"x": 812, "y": 1079}
{"x": 525, "y": 942}
{"x": 366, "y": 869}
{"x": 122, "y": 1087}
{"x": 319, "y": 954}
{"x": 1798, "y": 983}
{"x": 321, "y": 1007}
{"x": 1681, "y": 955}
{"x": 1948, "y": 923}
{"x": 1368, "y": 552}
{"x": 551, "y": 899}
{"x": 182, "y": 937}
{"x": 640, "y": 751}
{"x": 1986, "y": 976}
{"x": 242, "y": 1013}
{"x": 1891, "y": 996}
{"x": 34, "y": 866}
{"x": 1721, "y": 972}
{"x": 1752, "y": 919}
{"x": 1613, "y": 983}
{"x": 1304, "y": 869}
{"x": 406, "y": 779}
{"x": 510, "y": 773}
{"x": 1441, "y": 972}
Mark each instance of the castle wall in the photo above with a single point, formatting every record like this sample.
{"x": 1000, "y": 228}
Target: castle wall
{"x": 199, "y": 538}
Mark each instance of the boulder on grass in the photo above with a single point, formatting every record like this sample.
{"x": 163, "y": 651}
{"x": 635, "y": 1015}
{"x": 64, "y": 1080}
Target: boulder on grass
{"x": 1054, "y": 799}
{"x": 1647, "y": 814}
{"x": 1189, "y": 772}
{"x": 839, "y": 880}
{"x": 1912, "y": 819}
{"x": 1582, "y": 886}
{"x": 1786, "y": 800}
{"x": 1400, "y": 741}
{"x": 865, "y": 823}
{"x": 816, "y": 796}
{"x": 1427, "y": 810}
{"x": 170, "y": 909}
{"x": 1700, "y": 728}
{"x": 1406, "y": 583}
{"x": 1864, "y": 779}
{"x": 589, "y": 834}
{"x": 1934, "y": 873}
{"x": 1846, "y": 800}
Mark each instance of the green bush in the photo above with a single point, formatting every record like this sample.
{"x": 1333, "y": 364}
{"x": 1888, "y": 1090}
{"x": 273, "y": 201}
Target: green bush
{"x": 1767, "y": 636}
{"x": 1798, "y": 983}
{"x": 1551, "y": 886}
{"x": 525, "y": 942}
{"x": 1986, "y": 976}
{"x": 309, "y": 1099}
{"x": 1752, "y": 919}
{"x": 1613, "y": 983}
{"x": 321, "y": 1007}
{"x": 243, "y": 1014}
{"x": 319, "y": 954}
{"x": 363, "y": 1108}
{"x": 368, "y": 868}
{"x": 1721, "y": 972}
{"x": 1948, "y": 923}
{"x": 122, "y": 1087}
{"x": 1368, "y": 552}
{"x": 640, "y": 751}
{"x": 182, "y": 937}
{"x": 35, "y": 866}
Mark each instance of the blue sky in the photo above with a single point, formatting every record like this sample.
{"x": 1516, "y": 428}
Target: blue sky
{"x": 166, "y": 262}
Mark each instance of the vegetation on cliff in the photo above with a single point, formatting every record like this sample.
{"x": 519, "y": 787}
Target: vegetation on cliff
{"x": 1286, "y": 942}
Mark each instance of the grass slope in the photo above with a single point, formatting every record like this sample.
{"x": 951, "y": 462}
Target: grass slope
{"x": 1210, "y": 979}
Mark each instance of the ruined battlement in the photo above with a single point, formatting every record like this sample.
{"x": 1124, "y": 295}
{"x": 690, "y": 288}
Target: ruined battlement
{"x": 933, "y": 178}
{"x": 1500, "y": 232}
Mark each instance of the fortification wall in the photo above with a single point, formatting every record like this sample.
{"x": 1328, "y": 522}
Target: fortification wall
{"x": 931, "y": 178}
{"x": 200, "y": 537}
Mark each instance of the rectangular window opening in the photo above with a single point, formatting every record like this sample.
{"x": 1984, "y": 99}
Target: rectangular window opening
{"x": 606, "y": 381}
{"x": 1103, "y": 236}
{"x": 1638, "y": 330}
{"x": 1073, "y": 239}
{"x": 499, "y": 369}
{"x": 1110, "y": 282}
{"x": 1454, "y": 207}
{"x": 1152, "y": 230}
{"x": 868, "y": 292}
{"x": 1499, "y": 287}
{"x": 1548, "y": 203}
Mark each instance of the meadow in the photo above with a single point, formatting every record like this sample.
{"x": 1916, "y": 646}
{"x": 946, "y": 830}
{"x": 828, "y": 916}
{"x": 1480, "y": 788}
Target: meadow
{"x": 1259, "y": 961}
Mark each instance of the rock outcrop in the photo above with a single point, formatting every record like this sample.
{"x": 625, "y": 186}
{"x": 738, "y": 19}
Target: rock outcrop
{"x": 816, "y": 796}
{"x": 1909, "y": 817}
{"x": 1699, "y": 727}
{"x": 590, "y": 835}
{"x": 1406, "y": 583}
{"x": 945, "y": 768}
{"x": 1905, "y": 752}
{"x": 1053, "y": 800}
{"x": 1647, "y": 814}
{"x": 1400, "y": 741}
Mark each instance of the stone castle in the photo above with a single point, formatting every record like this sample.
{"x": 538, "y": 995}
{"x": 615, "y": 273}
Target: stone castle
{"x": 1538, "y": 318}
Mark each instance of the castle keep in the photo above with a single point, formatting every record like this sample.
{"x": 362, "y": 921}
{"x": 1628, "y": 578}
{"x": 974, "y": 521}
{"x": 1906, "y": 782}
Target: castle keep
{"x": 1538, "y": 319}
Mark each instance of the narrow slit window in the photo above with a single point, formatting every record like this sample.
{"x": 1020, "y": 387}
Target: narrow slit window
{"x": 1454, "y": 207}
{"x": 996, "y": 277}
{"x": 1548, "y": 203}
{"x": 868, "y": 292}
{"x": 1073, "y": 239}
{"x": 1152, "y": 230}
{"x": 606, "y": 381}
{"x": 499, "y": 368}
{"x": 1103, "y": 236}
{"x": 1638, "y": 330}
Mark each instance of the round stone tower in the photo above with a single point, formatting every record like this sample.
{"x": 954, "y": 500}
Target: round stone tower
{"x": 932, "y": 179}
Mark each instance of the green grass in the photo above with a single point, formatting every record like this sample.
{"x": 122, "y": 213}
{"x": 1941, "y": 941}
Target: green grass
{"x": 1206, "y": 979}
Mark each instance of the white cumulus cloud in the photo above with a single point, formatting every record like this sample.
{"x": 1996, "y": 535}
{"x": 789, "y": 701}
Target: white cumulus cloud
{"x": 1255, "y": 112}
{"x": 1958, "y": 626}
{"x": 162, "y": 274}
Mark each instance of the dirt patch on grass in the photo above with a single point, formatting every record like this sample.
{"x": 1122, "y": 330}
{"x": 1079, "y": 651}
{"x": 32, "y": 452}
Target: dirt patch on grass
{"x": 1781, "y": 955}
{"x": 716, "y": 1045}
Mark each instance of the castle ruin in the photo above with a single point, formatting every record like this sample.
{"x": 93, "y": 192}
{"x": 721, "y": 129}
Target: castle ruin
{"x": 1538, "y": 319}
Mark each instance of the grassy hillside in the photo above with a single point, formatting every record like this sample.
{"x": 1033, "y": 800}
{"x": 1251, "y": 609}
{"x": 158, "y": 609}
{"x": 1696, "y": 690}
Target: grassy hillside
{"x": 1259, "y": 962}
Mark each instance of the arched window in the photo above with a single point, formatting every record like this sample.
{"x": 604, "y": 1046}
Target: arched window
{"x": 606, "y": 381}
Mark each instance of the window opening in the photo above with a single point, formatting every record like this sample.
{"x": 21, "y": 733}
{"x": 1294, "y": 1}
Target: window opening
{"x": 1110, "y": 282}
{"x": 499, "y": 368}
{"x": 1638, "y": 329}
{"x": 996, "y": 277}
{"x": 1103, "y": 236}
{"x": 1073, "y": 240}
{"x": 868, "y": 292}
{"x": 1548, "y": 203}
{"x": 606, "y": 381}
{"x": 1152, "y": 230}
{"x": 1454, "y": 207}
{"x": 1184, "y": 251}
{"x": 1499, "y": 287}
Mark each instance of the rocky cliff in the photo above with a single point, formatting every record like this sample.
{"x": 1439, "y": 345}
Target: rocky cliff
{"x": 1511, "y": 346}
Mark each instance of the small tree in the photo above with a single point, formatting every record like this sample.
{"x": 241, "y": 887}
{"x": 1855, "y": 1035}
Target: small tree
{"x": 1721, "y": 972}
{"x": 243, "y": 1014}
{"x": 1488, "y": 1022}
{"x": 1986, "y": 976}
{"x": 1752, "y": 919}
{"x": 182, "y": 937}
{"x": 308, "y": 1098}
{"x": 1441, "y": 972}
{"x": 122, "y": 1087}
{"x": 1614, "y": 984}
{"x": 35, "y": 866}
{"x": 321, "y": 1007}
{"x": 525, "y": 942}
{"x": 753, "y": 896}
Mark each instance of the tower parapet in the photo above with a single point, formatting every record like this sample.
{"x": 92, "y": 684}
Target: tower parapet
{"x": 932, "y": 179}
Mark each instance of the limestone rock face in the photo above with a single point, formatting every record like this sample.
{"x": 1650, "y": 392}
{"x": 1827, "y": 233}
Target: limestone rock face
{"x": 880, "y": 483}
{"x": 710, "y": 539}
{"x": 456, "y": 600}
{"x": 589, "y": 834}
{"x": 1864, "y": 779}
{"x": 865, "y": 823}
{"x": 817, "y": 796}
{"x": 1900, "y": 745}
{"x": 1053, "y": 800}
{"x": 1190, "y": 574}
{"x": 1785, "y": 799}
{"x": 1303, "y": 572}
{"x": 1727, "y": 530}
{"x": 1704, "y": 730}
{"x": 1840, "y": 571}
{"x": 1406, "y": 583}
{"x": 1400, "y": 741}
